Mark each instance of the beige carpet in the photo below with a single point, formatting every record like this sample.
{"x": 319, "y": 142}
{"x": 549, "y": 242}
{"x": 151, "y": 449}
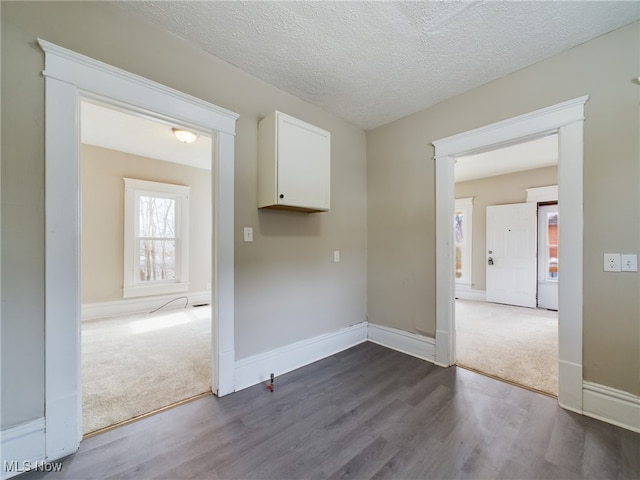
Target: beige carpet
{"x": 517, "y": 344}
{"x": 137, "y": 364}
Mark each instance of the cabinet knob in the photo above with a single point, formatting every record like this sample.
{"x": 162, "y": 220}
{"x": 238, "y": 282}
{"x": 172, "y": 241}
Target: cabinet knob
{"x": 282, "y": 195}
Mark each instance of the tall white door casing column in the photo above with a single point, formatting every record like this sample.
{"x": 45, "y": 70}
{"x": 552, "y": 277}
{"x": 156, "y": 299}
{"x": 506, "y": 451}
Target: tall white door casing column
{"x": 223, "y": 268}
{"x": 63, "y": 395}
{"x": 445, "y": 279}
{"x": 570, "y": 284}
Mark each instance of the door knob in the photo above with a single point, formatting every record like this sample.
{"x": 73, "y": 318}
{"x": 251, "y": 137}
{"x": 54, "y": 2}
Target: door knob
{"x": 490, "y": 261}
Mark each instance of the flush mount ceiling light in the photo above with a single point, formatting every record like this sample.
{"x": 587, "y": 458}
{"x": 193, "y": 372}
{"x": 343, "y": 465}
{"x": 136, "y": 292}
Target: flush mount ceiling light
{"x": 185, "y": 136}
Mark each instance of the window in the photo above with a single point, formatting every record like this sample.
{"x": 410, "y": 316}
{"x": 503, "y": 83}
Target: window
{"x": 156, "y": 238}
{"x": 462, "y": 236}
{"x": 552, "y": 247}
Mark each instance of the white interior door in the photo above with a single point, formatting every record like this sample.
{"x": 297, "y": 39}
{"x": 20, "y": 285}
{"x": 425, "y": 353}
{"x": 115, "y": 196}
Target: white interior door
{"x": 511, "y": 254}
{"x": 548, "y": 257}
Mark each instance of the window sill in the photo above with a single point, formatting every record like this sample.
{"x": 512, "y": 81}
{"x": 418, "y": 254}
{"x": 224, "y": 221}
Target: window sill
{"x": 148, "y": 290}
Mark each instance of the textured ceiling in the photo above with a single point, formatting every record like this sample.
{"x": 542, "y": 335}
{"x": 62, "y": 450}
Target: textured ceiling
{"x": 373, "y": 62}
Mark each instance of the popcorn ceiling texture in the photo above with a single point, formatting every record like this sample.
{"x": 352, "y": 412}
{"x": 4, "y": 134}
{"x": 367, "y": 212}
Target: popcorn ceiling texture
{"x": 373, "y": 62}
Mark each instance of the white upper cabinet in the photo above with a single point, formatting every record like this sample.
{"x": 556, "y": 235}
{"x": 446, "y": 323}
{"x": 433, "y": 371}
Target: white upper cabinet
{"x": 294, "y": 164}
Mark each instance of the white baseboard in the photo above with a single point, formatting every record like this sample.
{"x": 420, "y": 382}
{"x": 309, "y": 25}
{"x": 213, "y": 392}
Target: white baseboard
{"x": 570, "y": 385}
{"x": 405, "y": 342}
{"x": 257, "y": 368}
{"x": 22, "y": 445}
{"x": 611, "y": 406}
{"x": 469, "y": 294}
{"x": 130, "y": 306}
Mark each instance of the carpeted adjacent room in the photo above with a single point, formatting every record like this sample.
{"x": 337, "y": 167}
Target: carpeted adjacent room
{"x": 516, "y": 344}
{"x": 133, "y": 365}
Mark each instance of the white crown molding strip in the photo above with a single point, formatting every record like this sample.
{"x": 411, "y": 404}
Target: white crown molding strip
{"x": 470, "y": 294}
{"x": 22, "y": 444}
{"x": 528, "y": 124}
{"x": 611, "y": 405}
{"x": 257, "y": 368}
{"x": 416, "y": 345}
{"x": 83, "y": 71}
{"x": 91, "y": 311}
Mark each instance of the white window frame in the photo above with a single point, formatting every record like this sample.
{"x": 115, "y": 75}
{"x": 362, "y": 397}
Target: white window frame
{"x": 133, "y": 286}
{"x": 465, "y": 205}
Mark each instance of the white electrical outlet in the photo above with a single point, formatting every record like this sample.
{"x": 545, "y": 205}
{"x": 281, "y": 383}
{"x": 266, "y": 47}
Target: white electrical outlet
{"x": 629, "y": 263}
{"x": 336, "y": 256}
{"x": 611, "y": 262}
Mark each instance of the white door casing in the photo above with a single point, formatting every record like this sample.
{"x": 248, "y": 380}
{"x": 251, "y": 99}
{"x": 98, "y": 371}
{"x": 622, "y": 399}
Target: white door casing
{"x": 547, "y": 286}
{"x": 567, "y": 120}
{"x": 511, "y": 264}
{"x": 69, "y": 77}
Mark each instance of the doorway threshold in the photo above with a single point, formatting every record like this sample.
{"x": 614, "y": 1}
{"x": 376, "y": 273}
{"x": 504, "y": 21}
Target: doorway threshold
{"x": 504, "y": 380}
{"x": 145, "y": 415}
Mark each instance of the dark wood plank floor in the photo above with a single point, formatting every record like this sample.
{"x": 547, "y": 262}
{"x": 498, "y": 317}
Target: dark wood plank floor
{"x": 368, "y": 412}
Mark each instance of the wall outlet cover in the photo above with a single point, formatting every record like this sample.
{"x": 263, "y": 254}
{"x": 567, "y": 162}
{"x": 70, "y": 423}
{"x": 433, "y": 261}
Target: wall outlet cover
{"x": 629, "y": 263}
{"x": 611, "y": 262}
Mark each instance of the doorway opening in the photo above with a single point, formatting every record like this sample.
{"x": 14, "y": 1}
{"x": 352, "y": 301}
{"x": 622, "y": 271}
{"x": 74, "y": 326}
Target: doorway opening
{"x": 499, "y": 331}
{"x": 566, "y": 119}
{"x": 145, "y": 266}
{"x": 70, "y": 78}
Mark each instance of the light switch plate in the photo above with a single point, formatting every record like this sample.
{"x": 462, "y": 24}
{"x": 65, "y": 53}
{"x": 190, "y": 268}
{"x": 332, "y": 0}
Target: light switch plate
{"x": 629, "y": 263}
{"x": 611, "y": 262}
{"x": 248, "y": 234}
{"x": 336, "y": 256}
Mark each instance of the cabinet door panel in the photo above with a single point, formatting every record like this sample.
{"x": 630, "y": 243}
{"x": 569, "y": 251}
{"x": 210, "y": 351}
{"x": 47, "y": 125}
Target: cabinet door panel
{"x": 303, "y": 164}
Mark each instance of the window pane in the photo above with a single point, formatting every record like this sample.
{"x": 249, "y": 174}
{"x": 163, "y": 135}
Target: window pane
{"x": 459, "y": 227}
{"x": 552, "y": 242}
{"x": 458, "y": 262}
{"x": 157, "y": 217}
{"x": 157, "y": 260}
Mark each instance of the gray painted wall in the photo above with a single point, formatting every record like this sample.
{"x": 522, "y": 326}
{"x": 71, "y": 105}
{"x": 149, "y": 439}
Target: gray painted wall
{"x": 401, "y": 203}
{"x": 287, "y": 287}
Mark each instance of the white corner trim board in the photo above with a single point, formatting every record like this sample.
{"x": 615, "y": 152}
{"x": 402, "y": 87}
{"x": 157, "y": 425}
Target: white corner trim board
{"x": 22, "y": 445}
{"x": 611, "y": 405}
{"x": 91, "y": 311}
{"x": 258, "y": 368}
{"x": 416, "y": 345}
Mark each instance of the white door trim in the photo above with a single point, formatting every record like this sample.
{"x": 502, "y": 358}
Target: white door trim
{"x": 542, "y": 194}
{"x": 567, "y": 120}
{"x": 68, "y": 78}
